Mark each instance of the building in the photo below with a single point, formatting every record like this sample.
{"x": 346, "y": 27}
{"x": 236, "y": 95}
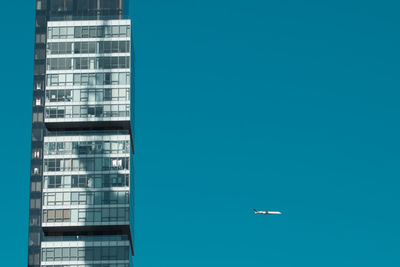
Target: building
{"x": 81, "y": 182}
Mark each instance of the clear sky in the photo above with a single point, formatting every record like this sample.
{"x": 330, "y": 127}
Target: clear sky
{"x": 288, "y": 105}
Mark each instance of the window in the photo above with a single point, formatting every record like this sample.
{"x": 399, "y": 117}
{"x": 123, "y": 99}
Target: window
{"x": 34, "y": 221}
{"x": 92, "y": 32}
{"x": 41, "y": 38}
{"x": 78, "y": 32}
{"x": 123, "y": 30}
{"x": 36, "y": 154}
{"x": 70, "y": 32}
{"x": 100, "y": 31}
{"x": 107, "y": 32}
{"x": 36, "y": 186}
{"x": 56, "y": 33}
{"x": 63, "y": 32}
{"x": 59, "y": 216}
{"x": 67, "y": 215}
{"x": 115, "y": 31}
{"x": 35, "y": 170}
{"x": 35, "y": 203}
{"x": 85, "y": 32}
{"x": 74, "y": 254}
{"x": 65, "y": 254}
{"x": 37, "y": 102}
{"x": 50, "y": 216}
{"x": 117, "y": 162}
{"x": 92, "y": 47}
{"x": 107, "y": 47}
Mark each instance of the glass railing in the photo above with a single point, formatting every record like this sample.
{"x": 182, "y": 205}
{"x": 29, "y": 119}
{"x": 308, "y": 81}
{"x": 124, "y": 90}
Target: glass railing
{"x": 86, "y": 238}
{"x": 89, "y": 133}
{"x": 72, "y": 17}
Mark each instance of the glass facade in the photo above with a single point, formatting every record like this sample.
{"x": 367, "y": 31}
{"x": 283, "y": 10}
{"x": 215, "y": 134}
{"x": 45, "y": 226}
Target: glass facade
{"x": 91, "y": 47}
{"x": 86, "y": 179}
{"x": 88, "y": 71}
{"x": 70, "y": 32}
{"x": 81, "y": 206}
{"x": 88, "y": 79}
{"x": 86, "y": 253}
{"x": 86, "y": 198}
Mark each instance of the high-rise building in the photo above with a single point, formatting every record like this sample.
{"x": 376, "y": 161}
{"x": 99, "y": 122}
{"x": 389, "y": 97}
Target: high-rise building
{"x": 81, "y": 183}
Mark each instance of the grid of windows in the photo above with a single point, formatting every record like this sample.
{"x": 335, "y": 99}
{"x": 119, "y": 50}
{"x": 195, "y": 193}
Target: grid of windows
{"x": 87, "y": 95}
{"x": 100, "y": 90}
{"x": 86, "y": 215}
{"x": 59, "y": 64}
{"x": 88, "y": 63}
{"x": 86, "y": 198}
{"x": 59, "y": 48}
{"x": 57, "y": 215}
{"x": 86, "y": 181}
{"x": 103, "y": 47}
{"x": 88, "y": 32}
{"x": 60, "y": 33}
{"x": 97, "y": 164}
{"x": 86, "y": 253}
{"x": 106, "y": 78}
{"x": 88, "y": 111}
{"x": 86, "y": 147}
{"x": 98, "y": 47}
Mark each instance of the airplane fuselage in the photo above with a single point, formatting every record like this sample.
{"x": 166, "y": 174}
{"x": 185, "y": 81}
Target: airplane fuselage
{"x": 266, "y": 212}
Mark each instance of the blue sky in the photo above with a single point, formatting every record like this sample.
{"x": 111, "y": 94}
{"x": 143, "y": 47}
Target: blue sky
{"x": 287, "y": 105}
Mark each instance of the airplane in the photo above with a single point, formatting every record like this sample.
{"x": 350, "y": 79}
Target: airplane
{"x": 266, "y": 212}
